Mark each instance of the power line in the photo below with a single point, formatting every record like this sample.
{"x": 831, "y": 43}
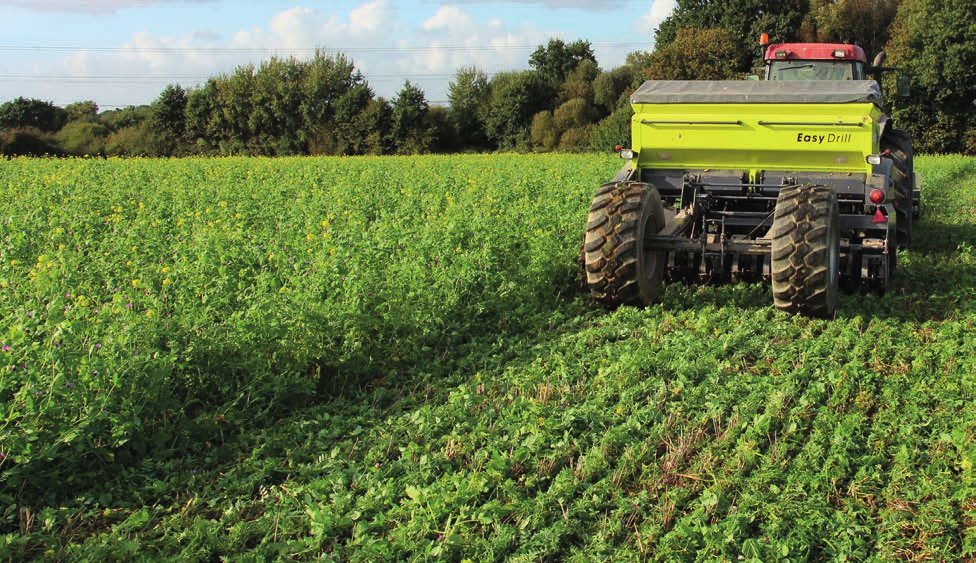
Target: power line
{"x": 119, "y": 79}
{"x": 154, "y": 78}
{"x": 402, "y": 49}
{"x": 148, "y": 80}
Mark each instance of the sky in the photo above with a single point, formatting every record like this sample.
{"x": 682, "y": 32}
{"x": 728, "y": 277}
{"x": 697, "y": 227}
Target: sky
{"x": 124, "y": 52}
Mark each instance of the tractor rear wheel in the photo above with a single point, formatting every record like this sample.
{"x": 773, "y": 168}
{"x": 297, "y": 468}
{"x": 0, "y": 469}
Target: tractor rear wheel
{"x": 806, "y": 250}
{"x": 619, "y": 271}
{"x": 899, "y": 142}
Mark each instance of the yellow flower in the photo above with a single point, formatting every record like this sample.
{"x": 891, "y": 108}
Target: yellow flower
{"x": 166, "y": 282}
{"x": 135, "y": 283}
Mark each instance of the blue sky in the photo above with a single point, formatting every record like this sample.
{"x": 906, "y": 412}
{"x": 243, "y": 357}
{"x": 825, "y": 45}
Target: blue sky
{"x": 124, "y": 52}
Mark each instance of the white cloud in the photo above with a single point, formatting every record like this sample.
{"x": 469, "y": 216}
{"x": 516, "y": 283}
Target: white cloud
{"x": 660, "y": 10}
{"x": 372, "y": 18}
{"x": 456, "y": 39}
{"x": 300, "y": 29}
{"x": 288, "y": 29}
{"x": 389, "y": 51}
{"x": 450, "y": 18}
{"x": 384, "y": 46}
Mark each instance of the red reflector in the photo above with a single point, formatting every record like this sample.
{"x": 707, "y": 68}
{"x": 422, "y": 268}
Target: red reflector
{"x": 878, "y": 217}
{"x": 877, "y": 197}
{"x": 617, "y": 148}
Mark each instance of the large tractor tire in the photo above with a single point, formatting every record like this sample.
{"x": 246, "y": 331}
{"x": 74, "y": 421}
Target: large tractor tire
{"x": 618, "y": 269}
{"x": 899, "y": 142}
{"x": 806, "y": 251}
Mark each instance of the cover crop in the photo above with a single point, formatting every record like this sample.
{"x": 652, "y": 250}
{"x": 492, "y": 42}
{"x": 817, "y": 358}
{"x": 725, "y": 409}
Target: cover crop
{"x": 381, "y": 358}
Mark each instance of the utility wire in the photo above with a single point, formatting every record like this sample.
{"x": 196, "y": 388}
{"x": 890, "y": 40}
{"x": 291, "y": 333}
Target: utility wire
{"x": 406, "y": 49}
{"x": 158, "y": 78}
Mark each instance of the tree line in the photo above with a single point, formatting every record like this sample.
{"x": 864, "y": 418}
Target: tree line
{"x": 564, "y": 101}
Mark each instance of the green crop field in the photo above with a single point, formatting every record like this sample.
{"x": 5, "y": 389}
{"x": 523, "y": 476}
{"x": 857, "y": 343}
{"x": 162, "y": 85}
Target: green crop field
{"x": 372, "y": 359}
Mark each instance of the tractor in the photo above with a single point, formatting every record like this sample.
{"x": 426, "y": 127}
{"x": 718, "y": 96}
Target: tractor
{"x": 834, "y": 61}
{"x": 799, "y": 181}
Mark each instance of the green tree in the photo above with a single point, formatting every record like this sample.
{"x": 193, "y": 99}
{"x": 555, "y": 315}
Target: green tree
{"x": 556, "y": 60}
{"x": 276, "y": 121}
{"x": 24, "y": 113}
{"x": 412, "y": 133}
{"x": 515, "y": 101}
{"x": 613, "y": 131}
{"x": 864, "y": 22}
{"x": 934, "y": 42}
{"x": 566, "y": 128}
{"x": 576, "y": 139}
{"x": 20, "y": 142}
{"x": 376, "y": 121}
{"x": 81, "y": 110}
{"x": 699, "y": 54}
{"x": 446, "y": 137}
{"x": 167, "y": 118}
{"x": 469, "y": 96}
{"x": 282, "y": 107}
{"x": 743, "y": 20}
{"x": 575, "y": 113}
{"x": 347, "y": 132}
{"x": 124, "y": 117}
{"x": 579, "y": 82}
{"x": 328, "y": 79}
{"x": 610, "y": 86}
{"x": 84, "y": 137}
{"x": 134, "y": 140}
{"x": 544, "y": 135}
{"x": 204, "y": 119}
{"x": 235, "y": 101}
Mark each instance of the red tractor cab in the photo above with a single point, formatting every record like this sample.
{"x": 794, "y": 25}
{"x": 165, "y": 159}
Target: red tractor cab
{"x": 824, "y": 61}
{"x": 813, "y": 61}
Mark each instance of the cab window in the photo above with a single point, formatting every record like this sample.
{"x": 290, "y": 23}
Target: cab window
{"x": 815, "y": 70}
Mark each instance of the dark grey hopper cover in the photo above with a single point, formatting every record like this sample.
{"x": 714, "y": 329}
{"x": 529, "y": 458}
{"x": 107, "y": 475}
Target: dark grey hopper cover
{"x": 757, "y": 92}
